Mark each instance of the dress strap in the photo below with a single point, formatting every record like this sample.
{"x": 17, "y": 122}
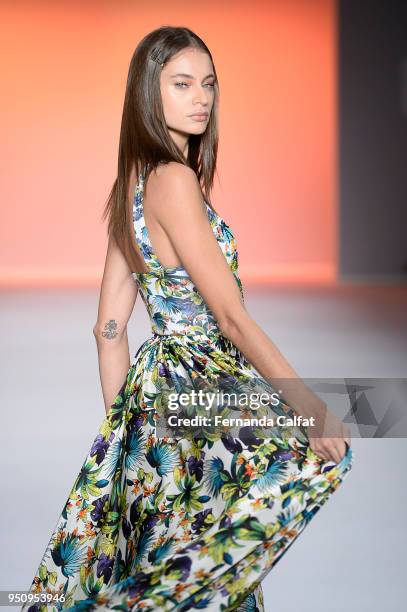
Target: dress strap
{"x": 140, "y": 228}
{"x": 141, "y": 232}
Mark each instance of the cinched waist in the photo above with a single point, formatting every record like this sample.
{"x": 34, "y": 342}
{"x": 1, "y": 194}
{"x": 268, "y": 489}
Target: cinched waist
{"x": 214, "y": 338}
{"x": 189, "y": 334}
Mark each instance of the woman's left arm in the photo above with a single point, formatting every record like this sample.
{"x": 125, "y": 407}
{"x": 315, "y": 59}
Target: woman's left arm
{"x": 118, "y": 294}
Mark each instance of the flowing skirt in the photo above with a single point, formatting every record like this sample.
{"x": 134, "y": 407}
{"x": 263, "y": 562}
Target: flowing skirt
{"x": 158, "y": 522}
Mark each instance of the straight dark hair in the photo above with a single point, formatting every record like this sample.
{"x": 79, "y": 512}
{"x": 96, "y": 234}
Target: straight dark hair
{"x": 145, "y": 140}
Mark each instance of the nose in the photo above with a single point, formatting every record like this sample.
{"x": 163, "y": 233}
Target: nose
{"x": 201, "y": 96}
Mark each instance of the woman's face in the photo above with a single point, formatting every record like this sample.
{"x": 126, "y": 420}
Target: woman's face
{"x": 187, "y": 87}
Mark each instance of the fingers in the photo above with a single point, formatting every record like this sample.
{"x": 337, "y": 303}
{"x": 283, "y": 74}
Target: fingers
{"x": 338, "y": 451}
{"x": 323, "y": 455}
{"x": 317, "y": 447}
{"x": 331, "y": 449}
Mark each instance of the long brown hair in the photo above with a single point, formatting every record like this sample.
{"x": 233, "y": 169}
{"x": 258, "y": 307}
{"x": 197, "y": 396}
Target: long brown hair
{"x": 144, "y": 136}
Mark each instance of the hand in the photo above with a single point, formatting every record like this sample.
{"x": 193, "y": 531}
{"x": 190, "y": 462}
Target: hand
{"x": 330, "y": 447}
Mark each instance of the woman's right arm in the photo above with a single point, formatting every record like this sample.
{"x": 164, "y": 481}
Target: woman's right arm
{"x": 180, "y": 211}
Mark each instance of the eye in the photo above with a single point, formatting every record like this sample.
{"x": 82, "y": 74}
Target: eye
{"x": 180, "y": 84}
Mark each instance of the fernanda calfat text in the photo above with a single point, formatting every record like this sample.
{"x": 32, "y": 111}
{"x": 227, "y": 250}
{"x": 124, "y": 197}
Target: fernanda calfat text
{"x": 221, "y": 421}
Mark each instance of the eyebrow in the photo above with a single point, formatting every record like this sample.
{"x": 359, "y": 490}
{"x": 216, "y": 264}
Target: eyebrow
{"x": 189, "y": 76}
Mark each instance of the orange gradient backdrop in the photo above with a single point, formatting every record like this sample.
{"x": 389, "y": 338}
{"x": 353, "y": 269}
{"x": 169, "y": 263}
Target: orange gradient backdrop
{"x": 64, "y": 69}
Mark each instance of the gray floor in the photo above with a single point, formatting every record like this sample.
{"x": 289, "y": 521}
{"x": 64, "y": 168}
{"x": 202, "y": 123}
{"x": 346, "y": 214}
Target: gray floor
{"x": 351, "y": 556}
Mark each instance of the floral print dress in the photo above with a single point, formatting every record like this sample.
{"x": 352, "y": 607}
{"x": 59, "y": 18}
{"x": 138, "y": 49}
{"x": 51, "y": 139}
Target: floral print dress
{"x": 174, "y": 524}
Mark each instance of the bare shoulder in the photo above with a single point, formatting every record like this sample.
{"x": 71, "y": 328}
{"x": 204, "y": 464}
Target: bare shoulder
{"x": 173, "y": 184}
{"x": 174, "y": 171}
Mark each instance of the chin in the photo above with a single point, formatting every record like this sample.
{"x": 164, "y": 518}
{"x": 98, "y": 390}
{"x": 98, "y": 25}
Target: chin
{"x": 199, "y": 128}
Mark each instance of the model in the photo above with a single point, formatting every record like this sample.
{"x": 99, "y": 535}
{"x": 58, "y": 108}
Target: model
{"x": 162, "y": 522}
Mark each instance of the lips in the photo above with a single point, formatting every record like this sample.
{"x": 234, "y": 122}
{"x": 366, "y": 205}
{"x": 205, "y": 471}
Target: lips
{"x": 200, "y": 115}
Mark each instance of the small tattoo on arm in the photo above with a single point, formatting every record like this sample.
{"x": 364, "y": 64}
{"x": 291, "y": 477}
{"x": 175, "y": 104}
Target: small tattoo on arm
{"x": 110, "y": 330}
